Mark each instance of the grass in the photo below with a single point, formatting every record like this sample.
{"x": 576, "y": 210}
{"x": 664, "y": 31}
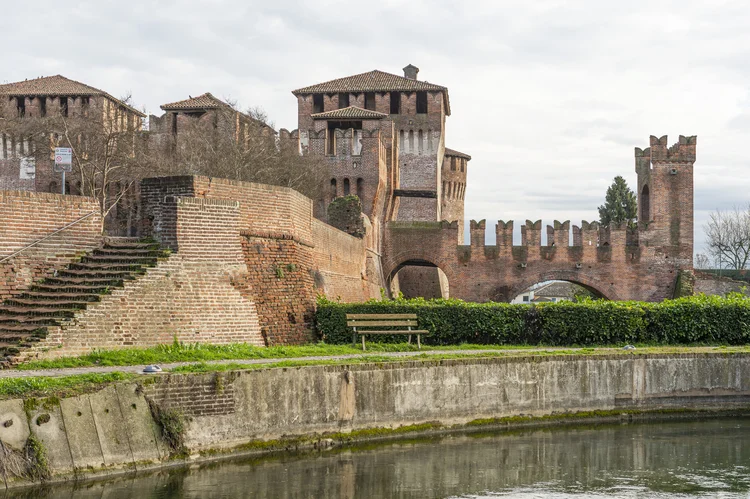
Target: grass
{"x": 181, "y": 352}
{"x": 62, "y": 386}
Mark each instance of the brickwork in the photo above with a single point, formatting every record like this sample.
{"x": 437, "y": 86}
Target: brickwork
{"x": 343, "y": 268}
{"x": 609, "y": 261}
{"x": 199, "y": 395}
{"x": 28, "y": 217}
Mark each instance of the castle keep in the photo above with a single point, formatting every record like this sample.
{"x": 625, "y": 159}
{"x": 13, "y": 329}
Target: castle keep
{"x": 231, "y": 261}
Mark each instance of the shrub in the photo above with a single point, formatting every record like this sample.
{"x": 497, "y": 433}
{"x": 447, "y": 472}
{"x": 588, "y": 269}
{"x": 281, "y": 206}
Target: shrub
{"x": 698, "y": 319}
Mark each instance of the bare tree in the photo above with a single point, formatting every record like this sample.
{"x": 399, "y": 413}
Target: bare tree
{"x": 702, "y": 261}
{"x": 242, "y": 146}
{"x": 110, "y": 153}
{"x": 728, "y": 235}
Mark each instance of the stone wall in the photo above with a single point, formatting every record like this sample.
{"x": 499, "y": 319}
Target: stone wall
{"x": 113, "y": 429}
{"x": 28, "y": 217}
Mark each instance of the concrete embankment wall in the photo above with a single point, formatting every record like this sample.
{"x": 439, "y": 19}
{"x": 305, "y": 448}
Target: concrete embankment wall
{"x": 114, "y": 428}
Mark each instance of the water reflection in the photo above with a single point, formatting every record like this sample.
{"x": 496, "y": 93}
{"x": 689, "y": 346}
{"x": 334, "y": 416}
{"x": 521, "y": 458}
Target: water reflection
{"x": 633, "y": 460}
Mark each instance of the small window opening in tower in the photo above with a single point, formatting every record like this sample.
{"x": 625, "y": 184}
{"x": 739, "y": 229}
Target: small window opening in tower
{"x": 343, "y": 101}
{"x": 42, "y": 106}
{"x": 347, "y": 187}
{"x": 453, "y": 164}
{"x": 64, "y": 106}
{"x": 84, "y": 105}
{"x": 317, "y": 103}
{"x": 331, "y": 141}
{"x": 395, "y": 102}
{"x": 21, "y": 106}
{"x": 333, "y": 189}
{"x": 360, "y": 187}
{"x": 421, "y": 102}
{"x": 174, "y": 124}
{"x": 370, "y": 101}
{"x": 463, "y": 165}
{"x": 645, "y": 205}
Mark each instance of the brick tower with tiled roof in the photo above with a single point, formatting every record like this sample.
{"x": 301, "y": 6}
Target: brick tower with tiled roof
{"x": 384, "y": 139}
{"x": 47, "y": 97}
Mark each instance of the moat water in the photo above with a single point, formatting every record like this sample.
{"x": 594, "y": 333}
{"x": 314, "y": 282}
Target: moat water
{"x": 667, "y": 460}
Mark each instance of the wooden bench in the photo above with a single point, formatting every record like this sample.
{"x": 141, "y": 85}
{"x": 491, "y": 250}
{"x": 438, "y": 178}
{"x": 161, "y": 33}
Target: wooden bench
{"x": 362, "y": 325}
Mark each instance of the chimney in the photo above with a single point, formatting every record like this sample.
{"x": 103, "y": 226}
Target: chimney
{"x": 411, "y": 71}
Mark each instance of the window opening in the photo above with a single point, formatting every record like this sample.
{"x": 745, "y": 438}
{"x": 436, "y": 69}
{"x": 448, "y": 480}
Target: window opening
{"x": 360, "y": 187}
{"x": 343, "y": 101}
{"x": 395, "y": 102}
{"x": 317, "y": 103}
{"x": 370, "y": 101}
{"x": 421, "y": 102}
{"x": 347, "y": 187}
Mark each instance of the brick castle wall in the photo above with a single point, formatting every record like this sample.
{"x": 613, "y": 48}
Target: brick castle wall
{"x": 28, "y": 217}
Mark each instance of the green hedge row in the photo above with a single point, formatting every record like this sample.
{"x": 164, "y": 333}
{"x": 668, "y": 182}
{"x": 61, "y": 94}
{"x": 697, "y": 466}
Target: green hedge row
{"x": 698, "y": 319}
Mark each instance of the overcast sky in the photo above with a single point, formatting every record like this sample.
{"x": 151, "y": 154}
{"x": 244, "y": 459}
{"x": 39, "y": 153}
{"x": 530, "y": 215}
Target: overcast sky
{"x": 549, "y": 97}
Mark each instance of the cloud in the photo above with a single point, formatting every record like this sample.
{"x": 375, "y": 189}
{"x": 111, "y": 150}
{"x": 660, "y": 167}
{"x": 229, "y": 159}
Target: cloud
{"x": 549, "y": 97}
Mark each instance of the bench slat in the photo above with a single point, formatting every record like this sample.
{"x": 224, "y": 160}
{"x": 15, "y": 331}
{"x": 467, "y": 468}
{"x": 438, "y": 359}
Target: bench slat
{"x": 361, "y": 323}
{"x": 380, "y": 316}
{"x": 415, "y": 331}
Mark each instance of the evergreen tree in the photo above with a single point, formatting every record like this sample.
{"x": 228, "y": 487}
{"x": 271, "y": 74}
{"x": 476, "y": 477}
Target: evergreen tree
{"x": 620, "y": 204}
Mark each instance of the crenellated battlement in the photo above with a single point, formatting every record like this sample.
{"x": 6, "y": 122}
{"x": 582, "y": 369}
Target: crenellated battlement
{"x": 683, "y": 151}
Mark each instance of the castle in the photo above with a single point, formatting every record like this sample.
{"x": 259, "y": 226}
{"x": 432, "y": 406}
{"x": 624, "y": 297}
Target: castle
{"x": 246, "y": 260}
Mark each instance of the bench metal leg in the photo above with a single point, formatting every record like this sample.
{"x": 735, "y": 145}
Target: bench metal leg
{"x": 409, "y": 339}
{"x": 363, "y": 342}
{"x": 419, "y": 343}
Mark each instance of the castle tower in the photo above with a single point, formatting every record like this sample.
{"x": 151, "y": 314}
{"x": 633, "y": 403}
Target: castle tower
{"x": 453, "y": 189}
{"x": 665, "y": 195}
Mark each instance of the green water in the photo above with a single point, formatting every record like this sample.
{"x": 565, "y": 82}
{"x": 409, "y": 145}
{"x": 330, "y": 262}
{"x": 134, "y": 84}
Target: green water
{"x": 677, "y": 459}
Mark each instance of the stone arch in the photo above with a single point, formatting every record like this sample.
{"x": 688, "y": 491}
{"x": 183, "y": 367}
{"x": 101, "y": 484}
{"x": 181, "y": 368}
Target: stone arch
{"x": 589, "y": 282}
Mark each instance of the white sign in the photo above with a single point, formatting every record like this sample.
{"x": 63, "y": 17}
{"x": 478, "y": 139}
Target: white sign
{"x": 63, "y": 159}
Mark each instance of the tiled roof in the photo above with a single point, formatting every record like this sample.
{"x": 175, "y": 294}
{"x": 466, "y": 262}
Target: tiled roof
{"x": 205, "y": 101}
{"x": 57, "y": 85}
{"x": 452, "y": 152}
{"x": 351, "y": 112}
{"x": 375, "y": 81}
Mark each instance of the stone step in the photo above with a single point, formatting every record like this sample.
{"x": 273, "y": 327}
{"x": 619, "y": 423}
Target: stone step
{"x": 92, "y": 281}
{"x": 71, "y": 288}
{"x": 52, "y": 295}
{"x": 51, "y": 303}
{"x": 21, "y": 328}
{"x": 128, "y": 252}
{"x": 40, "y": 320}
{"x": 96, "y": 274}
{"x": 133, "y": 259}
{"x": 104, "y": 266}
{"x": 6, "y": 309}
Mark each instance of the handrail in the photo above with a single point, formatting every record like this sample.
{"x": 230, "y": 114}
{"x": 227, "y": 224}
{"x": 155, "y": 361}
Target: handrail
{"x": 48, "y": 236}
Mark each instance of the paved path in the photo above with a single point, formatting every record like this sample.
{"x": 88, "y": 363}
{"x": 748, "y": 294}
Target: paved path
{"x": 13, "y": 373}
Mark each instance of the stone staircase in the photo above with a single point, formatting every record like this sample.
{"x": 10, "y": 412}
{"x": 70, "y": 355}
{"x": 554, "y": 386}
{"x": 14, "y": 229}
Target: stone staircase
{"x": 56, "y": 300}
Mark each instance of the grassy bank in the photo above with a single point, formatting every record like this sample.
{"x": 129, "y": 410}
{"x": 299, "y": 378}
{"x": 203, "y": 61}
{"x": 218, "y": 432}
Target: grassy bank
{"x": 209, "y": 354}
{"x": 181, "y": 352}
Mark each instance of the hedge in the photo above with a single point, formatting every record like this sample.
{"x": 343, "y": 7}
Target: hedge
{"x": 696, "y": 319}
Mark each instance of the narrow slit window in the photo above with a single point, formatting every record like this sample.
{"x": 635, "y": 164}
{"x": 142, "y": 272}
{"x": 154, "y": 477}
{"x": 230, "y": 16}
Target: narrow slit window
{"x": 42, "y": 106}
{"x": 333, "y": 189}
{"x": 347, "y": 187}
{"x": 21, "y": 105}
{"x": 343, "y": 101}
{"x": 645, "y": 205}
{"x": 360, "y": 187}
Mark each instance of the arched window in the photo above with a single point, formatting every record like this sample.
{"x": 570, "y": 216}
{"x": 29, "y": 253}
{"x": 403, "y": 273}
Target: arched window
{"x": 333, "y": 189}
{"x": 360, "y": 187}
{"x": 645, "y": 205}
{"x": 347, "y": 188}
